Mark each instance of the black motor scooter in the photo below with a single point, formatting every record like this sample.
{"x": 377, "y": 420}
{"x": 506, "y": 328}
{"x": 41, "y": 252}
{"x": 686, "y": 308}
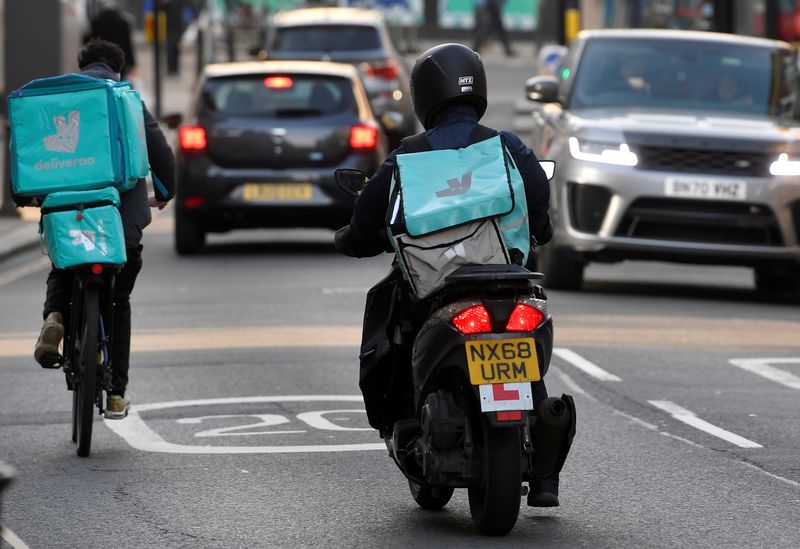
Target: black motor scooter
{"x": 486, "y": 339}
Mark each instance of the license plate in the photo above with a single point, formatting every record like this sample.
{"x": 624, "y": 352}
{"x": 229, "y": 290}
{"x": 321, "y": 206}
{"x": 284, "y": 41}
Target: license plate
{"x": 502, "y": 360}
{"x": 277, "y": 192}
{"x": 715, "y": 189}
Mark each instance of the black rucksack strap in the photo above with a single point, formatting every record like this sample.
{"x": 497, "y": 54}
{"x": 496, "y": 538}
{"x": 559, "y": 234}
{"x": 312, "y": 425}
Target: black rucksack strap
{"x": 416, "y": 143}
{"x": 481, "y": 133}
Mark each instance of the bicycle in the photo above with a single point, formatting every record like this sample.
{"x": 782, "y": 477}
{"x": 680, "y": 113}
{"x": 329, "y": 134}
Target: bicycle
{"x": 86, "y": 358}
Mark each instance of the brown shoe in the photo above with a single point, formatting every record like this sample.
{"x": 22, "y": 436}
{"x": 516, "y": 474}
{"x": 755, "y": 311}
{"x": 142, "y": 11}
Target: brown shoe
{"x": 117, "y": 407}
{"x": 46, "y": 350}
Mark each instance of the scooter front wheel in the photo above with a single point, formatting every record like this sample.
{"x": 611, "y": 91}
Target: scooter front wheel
{"x": 430, "y": 498}
{"x": 494, "y": 500}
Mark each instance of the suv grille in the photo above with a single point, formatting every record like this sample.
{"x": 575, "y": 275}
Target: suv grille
{"x": 707, "y": 221}
{"x": 704, "y": 161}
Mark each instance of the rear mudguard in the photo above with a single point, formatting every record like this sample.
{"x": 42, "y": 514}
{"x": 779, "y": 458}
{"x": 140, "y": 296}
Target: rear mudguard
{"x": 439, "y": 345}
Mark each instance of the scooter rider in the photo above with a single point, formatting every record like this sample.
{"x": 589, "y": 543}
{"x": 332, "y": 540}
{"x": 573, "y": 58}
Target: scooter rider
{"x": 449, "y": 92}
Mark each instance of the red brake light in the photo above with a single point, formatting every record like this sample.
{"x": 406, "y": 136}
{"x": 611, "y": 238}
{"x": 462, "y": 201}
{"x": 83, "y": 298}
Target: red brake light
{"x": 514, "y": 415}
{"x": 524, "y": 318}
{"x": 385, "y": 70}
{"x": 473, "y": 320}
{"x": 193, "y": 201}
{"x": 363, "y": 137}
{"x": 97, "y": 269}
{"x": 278, "y": 82}
{"x": 192, "y": 138}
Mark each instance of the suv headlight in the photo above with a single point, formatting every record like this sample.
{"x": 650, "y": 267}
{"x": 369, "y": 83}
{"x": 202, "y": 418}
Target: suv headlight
{"x": 594, "y": 151}
{"x": 784, "y": 166}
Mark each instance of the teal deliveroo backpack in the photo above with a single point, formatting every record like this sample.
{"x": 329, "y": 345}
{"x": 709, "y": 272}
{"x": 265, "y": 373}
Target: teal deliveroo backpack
{"x": 75, "y": 132}
{"x": 453, "y": 207}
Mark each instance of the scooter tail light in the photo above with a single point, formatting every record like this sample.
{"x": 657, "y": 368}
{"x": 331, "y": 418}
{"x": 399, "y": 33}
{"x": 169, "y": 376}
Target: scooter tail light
{"x": 97, "y": 269}
{"x": 473, "y": 320}
{"x": 524, "y": 318}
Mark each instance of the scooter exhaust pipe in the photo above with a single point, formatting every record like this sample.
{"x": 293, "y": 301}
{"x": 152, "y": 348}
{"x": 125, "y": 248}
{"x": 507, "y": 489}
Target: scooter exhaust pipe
{"x": 553, "y": 432}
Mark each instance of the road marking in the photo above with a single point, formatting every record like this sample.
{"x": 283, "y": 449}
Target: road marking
{"x": 762, "y": 367}
{"x": 584, "y": 365}
{"x": 12, "y": 539}
{"x": 141, "y": 437}
{"x": 690, "y": 418}
{"x": 20, "y": 272}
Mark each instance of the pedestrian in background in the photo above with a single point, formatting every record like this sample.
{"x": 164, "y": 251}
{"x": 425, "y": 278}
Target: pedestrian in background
{"x": 488, "y": 20}
{"x": 178, "y": 13}
{"x": 112, "y": 25}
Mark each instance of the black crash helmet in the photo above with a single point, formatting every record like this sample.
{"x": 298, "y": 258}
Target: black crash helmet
{"x": 445, "y": 75}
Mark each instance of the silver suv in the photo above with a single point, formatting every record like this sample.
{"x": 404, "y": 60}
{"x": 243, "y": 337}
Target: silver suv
{"x": 672, "y": 145}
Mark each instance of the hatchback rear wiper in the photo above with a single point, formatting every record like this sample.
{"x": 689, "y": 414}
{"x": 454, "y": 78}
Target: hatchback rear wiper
{"x": 288, "y": 113}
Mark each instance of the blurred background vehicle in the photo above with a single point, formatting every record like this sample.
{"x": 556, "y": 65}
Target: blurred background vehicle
{"x": 356, "y": 36}
{"x": 261, "y": 144}
{"x": 672, "y": 145}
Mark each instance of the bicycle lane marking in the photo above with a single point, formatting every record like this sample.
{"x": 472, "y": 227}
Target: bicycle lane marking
{"x": 135, "y": 431}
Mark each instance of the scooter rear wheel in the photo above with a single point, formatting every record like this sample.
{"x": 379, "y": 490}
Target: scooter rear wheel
{"x": 494, "y": 500}
{"x": 430, "y": 498}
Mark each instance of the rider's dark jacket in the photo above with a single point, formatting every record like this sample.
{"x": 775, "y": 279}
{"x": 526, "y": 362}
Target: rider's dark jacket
{"x": 366, "y": 234}
{"x": 134, "y": 208}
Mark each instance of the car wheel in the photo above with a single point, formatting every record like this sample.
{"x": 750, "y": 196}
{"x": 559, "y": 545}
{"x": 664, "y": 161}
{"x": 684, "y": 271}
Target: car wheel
{"x": 189, "y": 236}
{"x": 770, "y": 281}
{"x": 560, "y": 271}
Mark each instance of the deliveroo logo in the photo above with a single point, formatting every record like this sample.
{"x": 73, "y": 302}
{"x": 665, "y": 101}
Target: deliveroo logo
{"x": 456, "y": 187}
{"x": 67, "y": 133}
{"x": 83, "y": 238}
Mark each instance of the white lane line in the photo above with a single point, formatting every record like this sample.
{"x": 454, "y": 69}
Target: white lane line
{"x": 690, "y": 418}
{"x": 12, "y": 539}
{"x": 23, "y": 271}
{"x": 788, "y": 481}
{"x": 584, "y": 365}
{"x": 762, "y": 367}
{"x": 570, "y": 383}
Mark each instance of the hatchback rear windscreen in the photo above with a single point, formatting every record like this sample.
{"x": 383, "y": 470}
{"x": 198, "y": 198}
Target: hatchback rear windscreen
{"x": 279, "y": 95}
{"x": 327, "y": 38}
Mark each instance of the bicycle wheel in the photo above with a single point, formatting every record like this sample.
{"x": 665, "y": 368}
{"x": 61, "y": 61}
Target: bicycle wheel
{"x": 85, "y": 389}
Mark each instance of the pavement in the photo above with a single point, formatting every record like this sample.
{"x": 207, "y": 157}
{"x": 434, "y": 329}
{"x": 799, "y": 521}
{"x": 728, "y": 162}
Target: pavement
{"x": 20, "y": 233}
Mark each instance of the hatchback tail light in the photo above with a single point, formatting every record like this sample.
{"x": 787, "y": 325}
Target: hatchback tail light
{"x": 363, "y": 137}
{"x": 524, "y": 318}
{"x": 192, "y": 138}
{"x": 473, "y": 320}
{"x": 385, "y": 70}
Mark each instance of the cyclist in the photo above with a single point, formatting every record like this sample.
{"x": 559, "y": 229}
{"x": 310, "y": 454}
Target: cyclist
{"x": 448, "y": 89}
{"x": 105, "y": 60}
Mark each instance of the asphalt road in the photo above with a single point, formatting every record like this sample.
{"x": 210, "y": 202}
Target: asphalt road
{"x": 250, "y": 431}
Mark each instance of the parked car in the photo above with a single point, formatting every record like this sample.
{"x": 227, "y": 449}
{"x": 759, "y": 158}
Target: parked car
{"x": 672, "y": 145}
{"x": 261, "y": 144}
{"x": 356, "y": 36}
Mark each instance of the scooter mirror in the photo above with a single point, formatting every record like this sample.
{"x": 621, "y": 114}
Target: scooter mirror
{"x": 549, "y": 167}
{"x": 351, "y": 181}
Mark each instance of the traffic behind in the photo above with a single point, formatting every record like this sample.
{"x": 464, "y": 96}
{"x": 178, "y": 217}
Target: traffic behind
{"x": 261, "y": 144}
{"x": 672, "y": 145}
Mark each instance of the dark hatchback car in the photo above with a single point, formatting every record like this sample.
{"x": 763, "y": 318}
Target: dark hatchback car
{"x": 358, "y": 37}
{"x": 261, "y": 146}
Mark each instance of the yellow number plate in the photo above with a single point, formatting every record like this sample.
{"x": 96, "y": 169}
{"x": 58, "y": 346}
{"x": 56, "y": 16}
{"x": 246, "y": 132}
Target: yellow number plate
{"x": 502, "y": 361}
{"x": 277, "y": 192}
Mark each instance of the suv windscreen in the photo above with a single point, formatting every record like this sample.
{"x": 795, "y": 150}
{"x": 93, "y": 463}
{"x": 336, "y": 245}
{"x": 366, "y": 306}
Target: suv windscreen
{"x": 686, "y": 75}
{"x": 327, "y": 38}
{"x": 278, "y": 96}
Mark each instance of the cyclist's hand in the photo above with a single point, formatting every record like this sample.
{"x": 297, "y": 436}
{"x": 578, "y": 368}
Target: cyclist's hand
{"x": 156, "y": 203}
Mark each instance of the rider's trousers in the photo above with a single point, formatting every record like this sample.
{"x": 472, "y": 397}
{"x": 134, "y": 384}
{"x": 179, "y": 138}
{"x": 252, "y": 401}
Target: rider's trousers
{"x": 59, "y": 292}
